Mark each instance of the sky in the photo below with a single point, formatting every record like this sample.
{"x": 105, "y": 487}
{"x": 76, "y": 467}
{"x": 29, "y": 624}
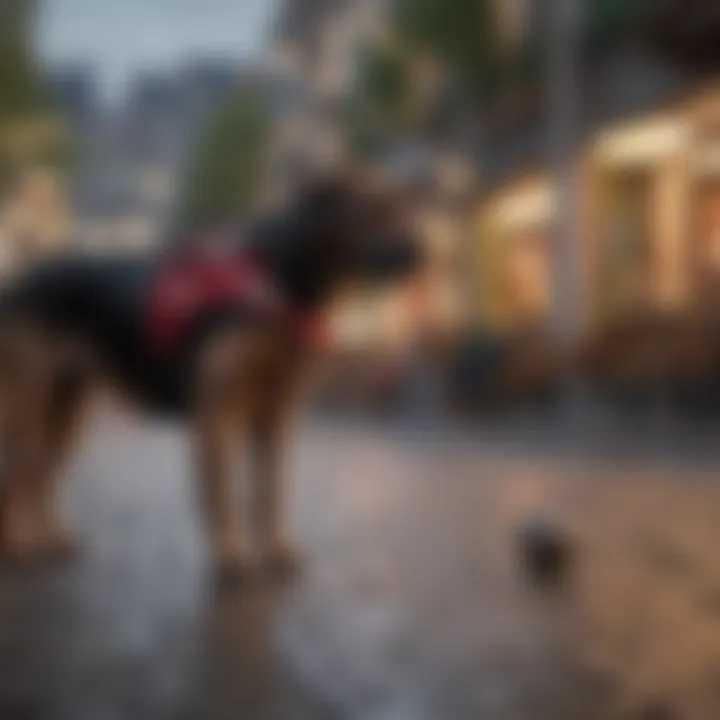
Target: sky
{"x": 120, "y": 37}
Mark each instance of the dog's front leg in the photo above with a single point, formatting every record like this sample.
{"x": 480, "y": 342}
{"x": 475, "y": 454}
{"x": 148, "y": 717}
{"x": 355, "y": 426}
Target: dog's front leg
{"x": 221, "y": 417}
{"x": 217, "y": 440}
{"x": 269, "y": 494}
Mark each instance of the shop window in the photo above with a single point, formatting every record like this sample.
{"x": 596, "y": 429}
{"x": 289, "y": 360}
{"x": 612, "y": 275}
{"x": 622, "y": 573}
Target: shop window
{"x": 626, "y": 252}
{"x": 528, "y": 277}
{"x": 705, "y": 243}
{"x": 514, "y": 277}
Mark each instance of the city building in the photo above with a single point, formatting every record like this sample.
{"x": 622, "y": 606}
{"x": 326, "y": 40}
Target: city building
{"x": 131, "y": 158}
{"x": 74, "y": 95}
{"x": 648, "y": 178}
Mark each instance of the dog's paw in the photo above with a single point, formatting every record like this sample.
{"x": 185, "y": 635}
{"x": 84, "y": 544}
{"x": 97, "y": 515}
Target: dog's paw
{"x": 232, "y": 571}
{"x": 19, "y": 554}
{"x": 282, "y": 560}
{"x": 60, "y": 546}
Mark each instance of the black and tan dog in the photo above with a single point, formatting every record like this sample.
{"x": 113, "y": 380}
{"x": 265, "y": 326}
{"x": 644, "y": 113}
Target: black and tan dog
{"x": 221, "y": 332}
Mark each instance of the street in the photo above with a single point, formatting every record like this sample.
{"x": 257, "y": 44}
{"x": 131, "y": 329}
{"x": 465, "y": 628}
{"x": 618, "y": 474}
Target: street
{"x": 411, "y": 603}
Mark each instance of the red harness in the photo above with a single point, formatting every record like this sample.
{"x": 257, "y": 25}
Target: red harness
{"x": 219, "y": 276}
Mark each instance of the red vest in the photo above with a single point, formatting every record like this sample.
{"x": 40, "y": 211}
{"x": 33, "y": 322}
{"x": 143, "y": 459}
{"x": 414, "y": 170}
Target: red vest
{"x": 219, "y": 276}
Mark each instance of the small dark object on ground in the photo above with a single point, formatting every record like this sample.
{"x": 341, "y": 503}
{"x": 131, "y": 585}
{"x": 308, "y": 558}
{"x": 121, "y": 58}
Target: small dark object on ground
{"x": 546, "y": 551}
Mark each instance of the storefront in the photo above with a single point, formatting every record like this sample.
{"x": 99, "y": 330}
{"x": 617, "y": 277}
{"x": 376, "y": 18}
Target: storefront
{"x": 704, "y": 221}
{"x": 648, "y": 221}
{"x": 638, "y": 176}
{"x": 514, "y": 273}
{"x": 658, "y": 185}
{"x": 705, "y": 240}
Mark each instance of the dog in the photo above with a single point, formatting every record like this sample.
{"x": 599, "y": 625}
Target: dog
{"x": 219, "y": 332}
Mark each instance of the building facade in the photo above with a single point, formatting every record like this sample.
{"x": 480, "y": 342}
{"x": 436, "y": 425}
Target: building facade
{"x": 648, "y": 190}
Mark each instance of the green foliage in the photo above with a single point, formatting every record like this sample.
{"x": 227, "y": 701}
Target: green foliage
{"x": 459, "y": 33}
{"x": 385, "y": 80}
{"x": 28, "y": 132}
{"x": 21, "y": 88}
{"x": 381, "y": 98}
{"x": 462, "y": 37}
{"x": 228, "y": 161}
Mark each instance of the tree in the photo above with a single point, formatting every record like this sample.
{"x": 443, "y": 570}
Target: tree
{"x": 431, "y": 67}
{"x": 461, "y": 34}
{"x": 28, "y": 131}
{"x": 21, "y": 89}
{"x": 380, "y": 100}
{"x": 227, "y": 163}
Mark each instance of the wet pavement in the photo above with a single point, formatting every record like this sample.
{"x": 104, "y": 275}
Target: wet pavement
{"x": 411, "y": 604}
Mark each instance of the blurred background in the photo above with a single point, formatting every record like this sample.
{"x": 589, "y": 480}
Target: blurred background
{"x": 563, "y": 160}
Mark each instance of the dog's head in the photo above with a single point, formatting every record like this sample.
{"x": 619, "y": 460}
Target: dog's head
{"x": 344, "y": 231}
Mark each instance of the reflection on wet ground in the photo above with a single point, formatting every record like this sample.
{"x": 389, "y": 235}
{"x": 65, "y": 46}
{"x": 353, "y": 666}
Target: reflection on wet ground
{"x": 411, "y": 604}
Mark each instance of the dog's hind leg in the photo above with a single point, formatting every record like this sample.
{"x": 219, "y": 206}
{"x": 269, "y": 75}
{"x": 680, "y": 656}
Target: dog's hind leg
{"x": 41, "y": 401}
{"x": 25, "y": 399}
{"x": 70, "y": 390}
{"x": 269, "y": 495}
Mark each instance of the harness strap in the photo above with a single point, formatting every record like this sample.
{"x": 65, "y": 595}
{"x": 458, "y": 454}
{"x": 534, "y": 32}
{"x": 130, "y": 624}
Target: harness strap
{"x": 218, "y": 276}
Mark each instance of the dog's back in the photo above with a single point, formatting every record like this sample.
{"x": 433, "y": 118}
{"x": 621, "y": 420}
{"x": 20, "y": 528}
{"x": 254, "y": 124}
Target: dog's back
{"x": 95, "y": 302}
